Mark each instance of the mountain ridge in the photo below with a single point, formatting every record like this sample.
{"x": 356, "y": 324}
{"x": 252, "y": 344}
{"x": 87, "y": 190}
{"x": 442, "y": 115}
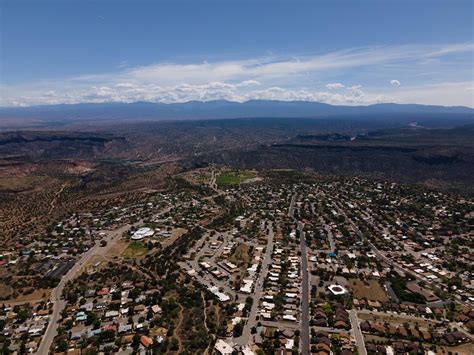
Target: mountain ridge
{"x": 219, "y": 109}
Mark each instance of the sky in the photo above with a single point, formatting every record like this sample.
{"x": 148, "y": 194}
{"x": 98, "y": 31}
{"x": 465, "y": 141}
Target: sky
{"x": 354, "y": 52}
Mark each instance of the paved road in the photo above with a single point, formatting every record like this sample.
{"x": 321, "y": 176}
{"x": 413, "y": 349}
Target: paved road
{"x": 291, "y": 210}
{"x": 305, "y": 293}
{"x": 305, "y": 341}
{"x": 359, "y": 338}
{"x": 58, "y": 303}
{"x": 244, "y": 339}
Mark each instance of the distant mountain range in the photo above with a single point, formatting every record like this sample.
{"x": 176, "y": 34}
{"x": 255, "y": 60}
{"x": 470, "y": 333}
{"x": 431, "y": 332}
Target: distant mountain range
{"x": 218, "y": 109}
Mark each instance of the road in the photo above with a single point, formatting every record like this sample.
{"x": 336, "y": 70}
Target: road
{"x": 58, "y": 302}
{"x": 244, "y": 339}
{"x": 305, "y": 341}
{"x": 304, "y": 293}
{"x": 291, "y": 210}
{"x": 359, "y": 338}
{"x": 212, "y": 182}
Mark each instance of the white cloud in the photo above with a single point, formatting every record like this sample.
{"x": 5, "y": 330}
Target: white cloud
{"x": 335, "y": 86}
{"x": 249, "y": 83}
{"x": 269, "y": 77}
{"x": 447, "y": 93}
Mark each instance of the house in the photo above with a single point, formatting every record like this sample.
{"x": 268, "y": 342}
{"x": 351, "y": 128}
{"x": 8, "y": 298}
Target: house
{"x": 378, "y": 328}
{"x": 125, "y": 328}
{"x": 365, "y": 326}
{"x": 156, "y": 309}
{"x": 223, "y": 348}
{"x": 81, "y": 316}
{"x": 103, "y": 292}
{"x": 323, "y": 347}
{"x": 428, "y": 295}
{"x": 403, "y": 331}
{"x": 78, "y": 332}
{"x": 111, "y": 314}
{"x": 425, "y": 335}
{"x": 146, "y": 341}
{"x": 109, "y": 327}
{"x": 139, "y": 308}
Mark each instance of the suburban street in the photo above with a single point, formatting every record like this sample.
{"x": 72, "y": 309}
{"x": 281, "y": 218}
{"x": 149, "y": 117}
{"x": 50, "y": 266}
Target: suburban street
{"x": 305, "y": 340}
{"x": 359, "y": 338}
{"x": 244, "y": 339}
{"x": 58, "y": 302}
{"x": 304, "y": 293}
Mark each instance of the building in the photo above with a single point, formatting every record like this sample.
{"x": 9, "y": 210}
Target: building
{"x": 143, "y": 233}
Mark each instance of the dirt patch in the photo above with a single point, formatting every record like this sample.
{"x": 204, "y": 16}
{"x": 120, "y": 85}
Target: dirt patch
{"x": 397, "y": 320}
{"x": 370, "y": 290}
{"x": 240, "y": 256}
{"x": 175, "y": 234}
{"x": 5, "y": 291}
{"x": 118, "y": 248}
{"x": 465, "y": 349}
{"x": 34, "y": 296}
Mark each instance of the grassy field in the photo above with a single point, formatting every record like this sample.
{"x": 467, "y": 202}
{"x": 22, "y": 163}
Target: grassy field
{"x": 135, "y": 249}
{"x": 371, "y": 291}
{"x": 234, "y": 177}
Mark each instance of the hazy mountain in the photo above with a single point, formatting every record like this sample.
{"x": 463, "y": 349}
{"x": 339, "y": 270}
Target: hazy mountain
{"x": 217, "y": 109}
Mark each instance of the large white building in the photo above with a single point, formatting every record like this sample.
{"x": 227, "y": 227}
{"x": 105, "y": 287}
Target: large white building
{"x": 143, "y": 233}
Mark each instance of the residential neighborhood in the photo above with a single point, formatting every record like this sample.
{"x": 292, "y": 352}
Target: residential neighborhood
{"x": 344, "y": 266}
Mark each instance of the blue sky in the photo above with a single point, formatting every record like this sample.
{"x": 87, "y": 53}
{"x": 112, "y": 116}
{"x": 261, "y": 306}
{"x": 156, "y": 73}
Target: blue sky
{"x": 340, "y": 52}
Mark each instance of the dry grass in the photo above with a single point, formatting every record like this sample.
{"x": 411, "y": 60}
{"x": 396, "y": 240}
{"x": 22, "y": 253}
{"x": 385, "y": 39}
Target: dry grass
{"x": 240, "y": 254}
{"x": 118, "y": 248}
{"x": 34, "y": 296}
{"x": 5, "y": 291}
{"x": 464, "y": 349}
{"x": 370, "y": 290}
{"x": 201, "y": 177}
{"x": 397, "y": 320}
{"x": 175, "y": 234}
{"x": 241, "y": 258}
{"x": 18, "y": 183}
